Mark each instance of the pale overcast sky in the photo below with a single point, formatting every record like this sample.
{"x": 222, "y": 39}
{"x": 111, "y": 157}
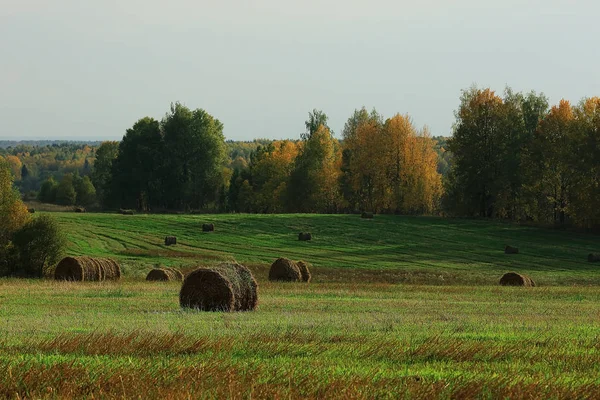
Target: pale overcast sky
{"x": 74, "y": 69}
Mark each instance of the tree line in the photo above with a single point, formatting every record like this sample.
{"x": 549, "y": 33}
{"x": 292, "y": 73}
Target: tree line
{"x": 383, "y": 165}
{"x": 515, "y": 157}
{"x": 510, "y": 157}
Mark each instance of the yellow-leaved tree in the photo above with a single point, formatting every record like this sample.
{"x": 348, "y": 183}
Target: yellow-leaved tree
{"x": 391, "y": 166}
{"x": 13, "y": 214}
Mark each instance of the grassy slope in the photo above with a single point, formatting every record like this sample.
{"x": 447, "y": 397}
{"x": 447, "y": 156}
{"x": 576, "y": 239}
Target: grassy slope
{"x": 350, "y": 334}
{"x": 443, "y": 250}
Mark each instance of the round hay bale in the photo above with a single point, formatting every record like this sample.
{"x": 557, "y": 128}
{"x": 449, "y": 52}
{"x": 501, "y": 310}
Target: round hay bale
{"x": 304, "y": 236}
{"x": 208, "y": 227}
{"x": 367, "y": 215}
{"x": 510, "y": 250}
{"x": 304, "y": 271}
{"x": 593, "y": 257}
{"x": 226, "y": 287}
{"x": 514, "y": 279}
{"x": 176, "y": 275}
{"x": 158, "y": 274}
{"x": 169, "y": 240}
{"x": 247, "y": 299}
{"x": 87, "y": 269}
{"x": 112, "y": 269}
{"x": 284, "y": 270}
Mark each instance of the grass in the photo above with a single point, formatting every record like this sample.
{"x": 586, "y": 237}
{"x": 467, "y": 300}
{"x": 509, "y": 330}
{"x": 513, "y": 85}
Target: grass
{"x": 397, "y": 249}
{"x": 372, "y": 324}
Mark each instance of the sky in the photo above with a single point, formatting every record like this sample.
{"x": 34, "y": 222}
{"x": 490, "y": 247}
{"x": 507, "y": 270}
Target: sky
{"x": 87, "y": 70}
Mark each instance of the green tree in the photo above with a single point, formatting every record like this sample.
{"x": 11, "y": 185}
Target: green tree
{"x": 47, "y": 192}
{"x": 24, "y": 172}
{"x": 478, "y": 153}
{"x": 316, "y": 118}
{"x": 86, "y": 193}
{"x": 39, "y": 245}
{"x": 314, "y": 183}
{"x": 194, "y": 157}
{"x": 102, "y": 171}
{"x": 65, "y": 191}
{"x": 137, "y": 172}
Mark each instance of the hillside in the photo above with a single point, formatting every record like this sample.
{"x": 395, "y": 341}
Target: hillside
{"x": 391, "y": 249}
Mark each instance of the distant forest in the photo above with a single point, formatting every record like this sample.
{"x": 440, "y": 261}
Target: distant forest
{"x": 510, "y": 157}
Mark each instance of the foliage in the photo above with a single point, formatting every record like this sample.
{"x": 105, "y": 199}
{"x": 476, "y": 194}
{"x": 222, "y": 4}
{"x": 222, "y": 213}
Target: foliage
{"x": 513, "y": 158}
{"x": 102, "y": 171}
{"x": 39, "y": 245}
{"x": 313, "y": 184}
{"x": 389, "y": 166}
{"x": 47, "y": 192}
{"x": 174, "y": 164}
{"x": 65, "y": 191}
{"x": 13, "y": 213}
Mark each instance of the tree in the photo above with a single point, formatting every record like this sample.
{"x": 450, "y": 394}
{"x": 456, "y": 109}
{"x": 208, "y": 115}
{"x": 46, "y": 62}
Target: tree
{"x": 270, "y": 171}
{"x": 13, "y": 215}
{"x": 65, "y": 191}
{"x": 13, "y": 212}
{"x": 47, "y": 192}
{"x": 24, "y": 172}
{"x": 364, "y": 179}
{"x": 137, "y": 179}
{"x": 195, "y": 155}
{"x": 585, "y": 200}
{"x": 477, "y": 153}
{"x": 86, "y": 193}
{"x": 102, "y": 170}
{"x": 314, "y": 180}
{"x": 15, "y": 166}
{"x": 316, "y": 118}
{"x": 411, "y": 165}
{"x": 39, "y": 245}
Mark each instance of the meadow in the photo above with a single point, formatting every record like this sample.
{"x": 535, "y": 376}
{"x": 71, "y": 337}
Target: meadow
{"x": 399, "y": 307}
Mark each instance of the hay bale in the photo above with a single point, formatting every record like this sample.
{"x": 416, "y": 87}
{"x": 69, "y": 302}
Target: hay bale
{"x": 284, "y": 270}
{"x": 112, "y": 270}
{"x": 176, "y": 275}
{"x": 367, "y": 215}
{"x": 514, "y": 279}
{"x": 169, "y": 240}
{"x": 304, "y": 271}
{"x": 79, "y": 209}
{"x": 208, "y": 227}
{"x": 304, "y": 236}
{"x": 226, "y": 287}
{"x": 247, "y": 300}
{"x": 159, "y": 274}
{"x": 126, "y": 212}
{"x": 593, "y": 257}
{"x": 510, "y": 250}
{"x": 87, "y": 269}
{"x": 31, "y": 210}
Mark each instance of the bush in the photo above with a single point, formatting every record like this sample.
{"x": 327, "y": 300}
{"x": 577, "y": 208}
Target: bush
{"x": 38, "y": 246}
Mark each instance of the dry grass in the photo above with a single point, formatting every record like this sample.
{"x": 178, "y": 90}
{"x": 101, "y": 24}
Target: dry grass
{"x": 325, "y": 340}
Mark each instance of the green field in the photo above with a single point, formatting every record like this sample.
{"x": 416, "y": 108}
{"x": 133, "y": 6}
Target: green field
{"x": 400, "y": 307}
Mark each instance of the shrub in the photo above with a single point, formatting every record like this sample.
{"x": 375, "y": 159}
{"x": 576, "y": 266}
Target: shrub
{"x": 38, "y": 246}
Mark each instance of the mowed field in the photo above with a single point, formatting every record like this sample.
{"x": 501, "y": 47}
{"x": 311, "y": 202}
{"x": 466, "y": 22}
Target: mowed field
{"x": 399, "y": 307}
